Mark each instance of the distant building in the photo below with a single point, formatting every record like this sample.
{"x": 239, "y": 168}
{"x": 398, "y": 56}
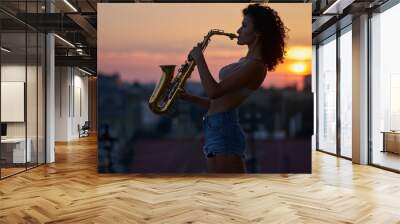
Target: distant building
{"x": 149, "y": 119}
{"x": 307, "y": 83}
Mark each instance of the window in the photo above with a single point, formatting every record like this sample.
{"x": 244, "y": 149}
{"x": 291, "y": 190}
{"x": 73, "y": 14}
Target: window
{"x": 327, "y": 95}
{"x": 346, "y": 75}
{"x": 385, "y": 89}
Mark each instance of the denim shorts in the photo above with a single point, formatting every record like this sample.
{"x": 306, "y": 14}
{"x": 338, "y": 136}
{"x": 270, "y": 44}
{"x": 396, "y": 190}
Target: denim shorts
{"x": 223, "y": 134}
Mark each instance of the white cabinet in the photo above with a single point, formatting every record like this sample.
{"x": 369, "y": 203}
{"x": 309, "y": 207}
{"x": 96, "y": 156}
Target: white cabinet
{"x": 18, "y": 149}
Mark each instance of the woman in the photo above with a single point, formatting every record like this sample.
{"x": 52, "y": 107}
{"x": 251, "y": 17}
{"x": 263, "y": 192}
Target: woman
{"x": 264, "y": 33}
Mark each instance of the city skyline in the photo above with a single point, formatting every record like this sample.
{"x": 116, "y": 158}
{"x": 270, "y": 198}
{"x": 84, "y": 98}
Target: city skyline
{"x": 299, "y": 84}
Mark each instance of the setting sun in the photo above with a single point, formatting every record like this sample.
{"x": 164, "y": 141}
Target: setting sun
{"x": 298, "y": 68}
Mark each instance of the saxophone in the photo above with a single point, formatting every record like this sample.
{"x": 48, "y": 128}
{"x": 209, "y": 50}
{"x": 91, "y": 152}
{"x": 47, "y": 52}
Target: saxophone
{"x": 168, "y": 87}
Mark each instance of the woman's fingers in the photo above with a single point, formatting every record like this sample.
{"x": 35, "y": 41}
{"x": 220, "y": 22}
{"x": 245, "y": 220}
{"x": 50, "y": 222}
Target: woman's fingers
{"x": 195, "y": 52}
{"x": 181, "y": 92}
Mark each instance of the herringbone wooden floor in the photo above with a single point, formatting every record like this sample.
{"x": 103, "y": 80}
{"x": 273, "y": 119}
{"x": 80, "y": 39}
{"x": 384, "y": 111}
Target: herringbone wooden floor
{"x": 71, "y": 191}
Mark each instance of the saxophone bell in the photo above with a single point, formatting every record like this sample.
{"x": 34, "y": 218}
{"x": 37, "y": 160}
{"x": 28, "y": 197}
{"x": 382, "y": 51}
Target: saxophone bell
{"x": 158, "y": 98}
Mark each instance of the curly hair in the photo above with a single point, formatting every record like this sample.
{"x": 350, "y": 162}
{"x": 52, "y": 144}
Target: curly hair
{"x": 273, "y": 33}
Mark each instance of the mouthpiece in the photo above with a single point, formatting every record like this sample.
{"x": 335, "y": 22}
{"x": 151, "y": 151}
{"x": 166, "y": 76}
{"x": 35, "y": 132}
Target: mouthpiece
{"x": 233, "y": 36}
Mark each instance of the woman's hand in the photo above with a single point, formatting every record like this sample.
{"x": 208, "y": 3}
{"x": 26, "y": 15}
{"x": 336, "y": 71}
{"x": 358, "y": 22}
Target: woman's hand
{"x": 202, "y": 101}
{"x": 196, "y": 53}
{"x": 182, "y": 94}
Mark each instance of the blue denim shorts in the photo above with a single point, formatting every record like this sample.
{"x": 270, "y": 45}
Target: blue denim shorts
{"x": 223, "y": 134}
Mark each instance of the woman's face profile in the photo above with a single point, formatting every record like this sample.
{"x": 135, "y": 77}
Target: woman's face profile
{"x": 246, "y": 33}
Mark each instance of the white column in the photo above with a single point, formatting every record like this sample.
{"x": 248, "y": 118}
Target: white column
{"x": 50, "y": 92}
{"x": 360, "y": 90}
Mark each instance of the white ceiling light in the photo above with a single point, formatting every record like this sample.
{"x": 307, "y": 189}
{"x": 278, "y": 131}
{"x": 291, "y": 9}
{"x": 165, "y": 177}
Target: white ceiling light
{"x": 5, "y": 49}
{"x": 71, "y": 6}
{"x": 65, "y": 41}
{"x": 80, "y": 51}
{"x": 86, "y": 72}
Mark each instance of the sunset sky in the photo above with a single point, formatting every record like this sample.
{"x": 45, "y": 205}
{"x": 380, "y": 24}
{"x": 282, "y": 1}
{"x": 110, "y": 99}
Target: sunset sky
{"x": 134, "y": 39}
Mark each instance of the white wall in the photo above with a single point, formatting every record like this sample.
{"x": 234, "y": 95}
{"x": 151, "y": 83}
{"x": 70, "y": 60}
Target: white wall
{"x": 62, "y": 81}
{"x": 13, "y": 101}
{"x": 15, "y": 73}
{"x": 71, "y": 93}
{"x": 33, "y": 125}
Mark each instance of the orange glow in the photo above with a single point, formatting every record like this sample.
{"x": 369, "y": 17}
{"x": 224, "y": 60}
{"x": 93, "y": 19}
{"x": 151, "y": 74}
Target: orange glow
{"x": 298, "y": 68}
{"x": 299, "y": 53}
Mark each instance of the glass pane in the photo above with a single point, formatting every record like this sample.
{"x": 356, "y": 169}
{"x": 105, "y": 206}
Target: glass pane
{"x": 41, "y": 97}
{"x": 346, "y": 94}
{"x": 385, "y": 86}
{"x": 13, "y": 87}
{"x": 31, "y": 84}
{"x": 327, "y": 96}
{"x": 31, "y": 97}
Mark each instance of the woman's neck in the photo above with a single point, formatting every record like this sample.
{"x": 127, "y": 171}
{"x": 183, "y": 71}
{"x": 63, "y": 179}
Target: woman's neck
{"x": 254, "y": 51}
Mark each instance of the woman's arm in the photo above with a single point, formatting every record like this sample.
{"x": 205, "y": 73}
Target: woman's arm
{"x": 202, "y": 101}
{"x": 235, "y": 81}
